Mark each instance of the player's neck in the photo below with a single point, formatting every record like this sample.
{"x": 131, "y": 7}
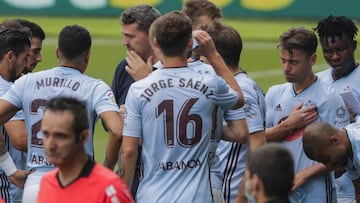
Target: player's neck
{"x": 70, "y": 171}
{"x": 4, "y": 73}
{"x": 303, "y": 85}
{"x": 75, "y": 65}
{"x": 174, "y": 62}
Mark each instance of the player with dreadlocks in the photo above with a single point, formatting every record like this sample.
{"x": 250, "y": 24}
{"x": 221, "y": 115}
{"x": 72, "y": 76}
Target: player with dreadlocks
{"x": 337, "y": 39}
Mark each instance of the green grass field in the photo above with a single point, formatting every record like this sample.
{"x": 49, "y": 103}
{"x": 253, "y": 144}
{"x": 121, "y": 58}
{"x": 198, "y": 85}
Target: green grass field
{"x": 260, "y": 57}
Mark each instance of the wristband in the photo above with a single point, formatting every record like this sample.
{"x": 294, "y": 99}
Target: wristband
{"x": 7, "y": 164}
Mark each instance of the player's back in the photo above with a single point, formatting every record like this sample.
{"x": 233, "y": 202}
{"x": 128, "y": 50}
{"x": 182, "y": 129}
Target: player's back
{"x": 174, "y": 108}
{"x": 32, "y": 91}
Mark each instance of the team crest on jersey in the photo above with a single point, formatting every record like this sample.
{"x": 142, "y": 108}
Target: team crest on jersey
{"x": 340, "y": 112}
{"x": 110, "y": 96}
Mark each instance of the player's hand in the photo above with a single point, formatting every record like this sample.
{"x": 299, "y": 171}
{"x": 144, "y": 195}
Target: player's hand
{"x": 302, "y": 116}
{"x": 137, "y": 68}
{"x": 241, "y": 197}
{"x": 19, "y": 177}
{"x": 299, "y": 180}
{"x": 206, "y": 44}
{"x": 351, "y": 112}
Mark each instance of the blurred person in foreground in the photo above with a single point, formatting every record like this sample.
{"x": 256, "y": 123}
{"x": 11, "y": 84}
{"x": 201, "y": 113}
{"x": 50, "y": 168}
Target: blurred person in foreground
{"x": 269, "y": 174}
{"x": 77, "y": 177}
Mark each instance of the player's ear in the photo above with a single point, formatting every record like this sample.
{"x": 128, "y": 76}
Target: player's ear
{"x": 257, "y": 183}
{"x": 334, "y": 139}
{"x": 313, "y": 58}
{"x": 57, "y": 53}
{"x": 87, "y": 56}
{"x": 156, "y": 44}
{"x": 84, "y": 135}
{"x": 10, "y": 55}
{"x": 354, "y": 45}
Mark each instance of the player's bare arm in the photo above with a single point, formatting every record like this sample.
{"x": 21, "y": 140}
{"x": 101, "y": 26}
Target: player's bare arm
{"x": 137, "y": 67}
{"x": 113, "y": 123}
{"x": 17, "y": 133}
{"x": 19, "y": 178}
{"x": 304, "y": 175}
{"x": 208, "y": 50}
{"x": 7, "y": 110}
{"x": 356, "y": 183}
{"x": 129, "y": 153}
{"x": 298, "y": 118}
{"x": 236, "y": 131}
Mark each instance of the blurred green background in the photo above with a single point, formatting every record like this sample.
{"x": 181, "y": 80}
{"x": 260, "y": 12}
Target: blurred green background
{"x": 260, "y": 56}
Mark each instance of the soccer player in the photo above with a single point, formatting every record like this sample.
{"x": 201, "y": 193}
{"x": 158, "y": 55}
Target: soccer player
{"x": 336, "y": 148}
{"x": 77, "y": 178}
{"x": 232, "y": 155}
{"x": 31, "y": 92}
{"x": 37, "y": 38}
{"x": 298, "y": 54}
{"x": 337, "y": 40}
{"x": 205, "y": 15}
{"x": 202, "y": 13}
{"x": 176, "y": 103}
{"x": 235, "y": 129}
{"x": 270, "y": 174}
{"x": 14, "y": 51}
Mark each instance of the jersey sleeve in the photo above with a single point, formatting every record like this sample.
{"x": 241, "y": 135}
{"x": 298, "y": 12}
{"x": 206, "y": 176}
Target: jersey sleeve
{"x": 132, "y": 123}
{"x": 20, "y": 115}
{"x": 252, "y": 109}
{"x": 223, "y": 95}
{"x": 16, "y": 91}
{"x": 269, "y": 98}
{"x": 104, "y": 99}
{"x": 116, "y": 192}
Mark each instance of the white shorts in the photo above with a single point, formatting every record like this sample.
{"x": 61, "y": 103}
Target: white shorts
{"x": 32, "y": 185}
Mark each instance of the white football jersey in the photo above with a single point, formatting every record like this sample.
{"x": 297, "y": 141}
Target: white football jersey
{"x": 33, "y": 90}
{"x": 280, "y": 100}
{"x": 171, "y": 111}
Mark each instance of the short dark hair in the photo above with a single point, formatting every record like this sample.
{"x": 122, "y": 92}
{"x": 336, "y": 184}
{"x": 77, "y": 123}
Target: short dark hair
{"x": 36, "y": 30}
{"x": 143, "y": 15}
{"x": 228, "y": 43}
{"x": 74, "y": 40}
{"x": 172, "y": 32}
{"x": 336, "y": 26}
{"x": 13, "y": 40}
{"x": 274, "y": 164}
{"x": 197, "y": 8}
{"x": 76, "y": 107}
{"x": 299, "y": 38}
